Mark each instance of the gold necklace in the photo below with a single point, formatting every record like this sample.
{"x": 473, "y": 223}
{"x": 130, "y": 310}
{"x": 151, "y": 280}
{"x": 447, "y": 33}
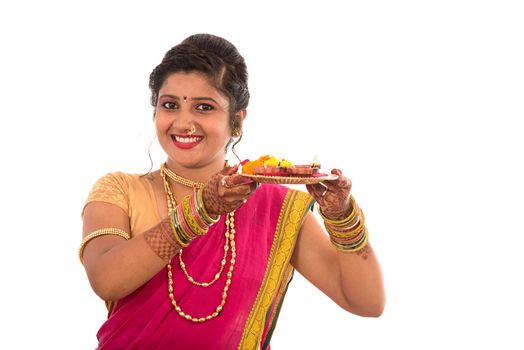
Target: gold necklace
{"x": 230, "y": 229}
{"x": 180, "y": 179}
{"x": 171, "y": 203}
{"x": 230, "y": 238}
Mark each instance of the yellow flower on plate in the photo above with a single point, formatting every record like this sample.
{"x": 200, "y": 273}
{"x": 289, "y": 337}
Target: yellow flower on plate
{"x": 273, "y": 161}
{"x": 285, "y": 162}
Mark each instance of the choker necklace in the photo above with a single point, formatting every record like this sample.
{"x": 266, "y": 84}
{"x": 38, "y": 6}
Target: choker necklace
{"x": 180, "y": 179}
{"x": 229, "y": 246}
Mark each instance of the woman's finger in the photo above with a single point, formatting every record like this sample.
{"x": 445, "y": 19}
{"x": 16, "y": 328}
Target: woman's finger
{"x": 341, "y": 181}
{"x": 317, "y": 190}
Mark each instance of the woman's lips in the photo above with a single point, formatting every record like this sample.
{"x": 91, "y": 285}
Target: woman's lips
{"x": 186, "y": 141}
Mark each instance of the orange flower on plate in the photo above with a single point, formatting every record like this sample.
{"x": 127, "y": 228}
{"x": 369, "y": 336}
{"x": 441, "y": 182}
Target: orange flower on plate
{"x": 247, "y": 167}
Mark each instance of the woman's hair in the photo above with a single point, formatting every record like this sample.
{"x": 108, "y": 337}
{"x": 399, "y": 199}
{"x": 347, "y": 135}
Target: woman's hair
{"x": 213, "y": 56}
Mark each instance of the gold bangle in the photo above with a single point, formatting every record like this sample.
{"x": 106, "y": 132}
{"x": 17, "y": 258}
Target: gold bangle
{"x": 350, "y": 233}
{"x": 178, "y": 231}
{"x": 174, "y": 230}
{"x": 190, "y": 219}
{"x": 199, "y": 201}
{"x": 345, "y": 221}
{"x": 101, "y": 232}
{"x": 355, "y": 247}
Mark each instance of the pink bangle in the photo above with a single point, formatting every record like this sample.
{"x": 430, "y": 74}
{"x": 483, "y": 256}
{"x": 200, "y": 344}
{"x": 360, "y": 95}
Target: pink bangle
{"x": 349, "y": 240}
{"x": 183, "y": 222}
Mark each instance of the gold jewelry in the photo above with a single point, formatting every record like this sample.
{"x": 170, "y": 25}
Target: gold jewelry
{"x": 176, "y": 225}
{"x": 178, "y": 232}
{"x": 101, "y": 232}
{"x": 345, "y": 221}
{"x": 167, "y": 188}
{"x": 190, "y": 218}
{"x": 349, "y": 231}
{"x": 354, "y": 247}
{"x": 229, "y": 232}
{"x": 236, "y": 132}
{"x": 179, "y": 179}
{"x": 202, "y": 209}
{"x": 348, "y": 234}
{"x": 229, "y": 246}
{"x": 219, "y": 308}
{"x": 223, "y": 183}
{"x": 192, "y": 130}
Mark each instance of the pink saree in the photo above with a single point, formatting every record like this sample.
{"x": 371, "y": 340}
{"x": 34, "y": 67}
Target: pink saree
{"x": 266, "y": 230}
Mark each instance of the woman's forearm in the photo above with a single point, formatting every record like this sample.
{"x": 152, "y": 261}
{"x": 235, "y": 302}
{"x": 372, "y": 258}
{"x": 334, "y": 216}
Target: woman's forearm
{"x": 123, "y": 267}
{"x": 361, "y": 282}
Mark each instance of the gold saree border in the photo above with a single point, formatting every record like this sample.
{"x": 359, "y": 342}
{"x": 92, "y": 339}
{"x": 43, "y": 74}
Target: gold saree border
{"x": 294, "y": 207}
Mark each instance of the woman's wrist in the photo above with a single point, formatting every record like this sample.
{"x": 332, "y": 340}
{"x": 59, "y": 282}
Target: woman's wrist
{"x": 347, "y": 233}
{"x": 161, "y": 240}
{"x": 202, "y": 210}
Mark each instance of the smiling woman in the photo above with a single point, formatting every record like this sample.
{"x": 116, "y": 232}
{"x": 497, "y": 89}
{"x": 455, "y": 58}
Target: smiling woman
{"x": 193, "y": 123}
{"x": 194, "y": 247}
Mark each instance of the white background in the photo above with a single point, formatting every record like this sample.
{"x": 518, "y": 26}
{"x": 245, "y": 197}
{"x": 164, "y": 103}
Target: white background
{"x": 417, "y": 101}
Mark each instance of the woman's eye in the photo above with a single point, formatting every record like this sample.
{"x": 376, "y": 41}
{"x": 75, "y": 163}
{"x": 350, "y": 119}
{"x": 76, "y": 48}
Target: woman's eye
{"x": 169, "y": 105}
{"x": 204, "y": 107}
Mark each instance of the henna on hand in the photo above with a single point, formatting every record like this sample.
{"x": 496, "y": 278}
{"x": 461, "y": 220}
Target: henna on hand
{"x": 333, "y": 196}
{"x": 226, "y": 191}
{"x": 161, "y": 240}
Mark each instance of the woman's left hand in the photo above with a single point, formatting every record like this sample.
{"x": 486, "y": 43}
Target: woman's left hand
{"x": 333, "y": 196}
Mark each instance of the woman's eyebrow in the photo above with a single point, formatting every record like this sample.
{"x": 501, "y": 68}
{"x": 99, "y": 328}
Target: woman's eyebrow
{"x": 203, "y": 99}
{"x": 198, "y": 98}
{"x": 169, "y": 96}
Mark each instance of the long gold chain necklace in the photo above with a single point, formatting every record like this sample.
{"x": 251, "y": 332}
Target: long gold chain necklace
{"x": 171, "y": 203}
{"x": 230, "y": 242}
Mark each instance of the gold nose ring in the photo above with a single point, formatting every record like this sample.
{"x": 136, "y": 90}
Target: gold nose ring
{"x": 192, "y": 130}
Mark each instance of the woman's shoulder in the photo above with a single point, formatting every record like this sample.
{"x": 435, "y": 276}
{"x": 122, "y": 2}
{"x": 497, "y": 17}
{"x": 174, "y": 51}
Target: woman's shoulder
{"x": 116, "y": 188}
{"x": 123, "y": 178}
{"x": 117, "y": 183}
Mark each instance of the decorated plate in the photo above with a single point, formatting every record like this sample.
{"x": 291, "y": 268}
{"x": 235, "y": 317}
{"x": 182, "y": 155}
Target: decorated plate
{"x": 291, "y": 180}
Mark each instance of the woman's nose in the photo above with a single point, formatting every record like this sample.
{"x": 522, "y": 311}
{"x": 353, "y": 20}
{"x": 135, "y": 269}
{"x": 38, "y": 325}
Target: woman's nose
{"x": 183, "y": 120}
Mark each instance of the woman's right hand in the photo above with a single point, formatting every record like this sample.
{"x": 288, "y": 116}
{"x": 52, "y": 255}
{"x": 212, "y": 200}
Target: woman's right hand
{"x": 226, "y": 191}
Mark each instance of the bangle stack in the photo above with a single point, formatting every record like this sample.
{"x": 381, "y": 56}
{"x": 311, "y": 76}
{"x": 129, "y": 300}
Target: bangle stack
{"x": 201, "y": 209}
{"x": 190, "y": 219}
{"x": 348, "y": 234}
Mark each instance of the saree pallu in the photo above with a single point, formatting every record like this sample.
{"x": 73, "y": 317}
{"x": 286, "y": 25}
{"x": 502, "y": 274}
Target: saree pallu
{"x": 266, "y": 226}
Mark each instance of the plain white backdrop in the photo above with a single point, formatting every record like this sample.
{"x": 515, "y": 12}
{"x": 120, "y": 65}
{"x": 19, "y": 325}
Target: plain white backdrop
{"x": 417, "y": 101}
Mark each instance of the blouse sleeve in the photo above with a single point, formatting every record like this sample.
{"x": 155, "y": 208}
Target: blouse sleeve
{"x": 111, "y": 188}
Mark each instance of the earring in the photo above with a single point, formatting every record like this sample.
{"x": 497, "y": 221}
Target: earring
{"x": 237, "y": 132}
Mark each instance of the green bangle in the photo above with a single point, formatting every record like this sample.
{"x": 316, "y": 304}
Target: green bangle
{"x": 347, "y": 221}
{"x": 202, "y": 210}
{"x": 353, "y": 247}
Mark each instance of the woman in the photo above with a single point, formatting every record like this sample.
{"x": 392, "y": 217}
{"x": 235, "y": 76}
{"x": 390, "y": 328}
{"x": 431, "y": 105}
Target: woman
{"x": 195, "y": 255}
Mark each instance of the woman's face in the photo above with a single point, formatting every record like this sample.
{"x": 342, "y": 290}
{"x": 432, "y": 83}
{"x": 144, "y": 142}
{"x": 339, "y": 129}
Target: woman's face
{"x": 192, "y": 122}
